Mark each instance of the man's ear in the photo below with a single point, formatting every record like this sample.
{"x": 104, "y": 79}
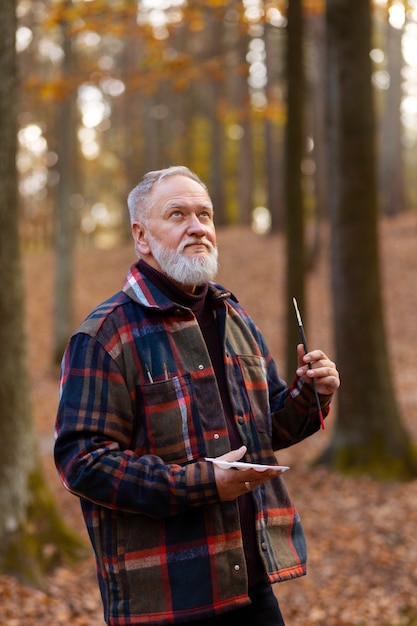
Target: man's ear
{"x": 140, "y": 238}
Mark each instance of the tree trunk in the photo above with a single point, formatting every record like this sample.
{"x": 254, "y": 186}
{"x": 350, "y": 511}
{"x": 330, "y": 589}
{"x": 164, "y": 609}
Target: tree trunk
{"x": 295, "y": 227}
{"x": 130, "y": 120}
{"x": 273, "y": 127}
{"x": 369, "y": 436}
{"x": 318, "y": 88}
{"x": 391, "y": 153}
{"x": 245, "y": 173}
{"x": 65, "y": 213}
{"x": 16, "y": 430}
{"x": 28, "y": 518}
{"x": 211, "y": 93}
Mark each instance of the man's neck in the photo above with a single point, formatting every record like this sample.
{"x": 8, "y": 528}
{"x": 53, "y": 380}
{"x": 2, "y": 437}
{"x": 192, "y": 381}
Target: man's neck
{"x": 173, "y": 290}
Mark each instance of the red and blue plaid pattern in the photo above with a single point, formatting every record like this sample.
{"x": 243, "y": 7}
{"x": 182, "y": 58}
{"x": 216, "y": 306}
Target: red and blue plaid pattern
{"x": 139, "y": 410}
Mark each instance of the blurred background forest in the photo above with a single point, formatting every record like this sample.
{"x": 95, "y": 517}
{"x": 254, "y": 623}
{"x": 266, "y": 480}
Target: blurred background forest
{"x": 113, "y": 89}
{"x": 301, "y": 117}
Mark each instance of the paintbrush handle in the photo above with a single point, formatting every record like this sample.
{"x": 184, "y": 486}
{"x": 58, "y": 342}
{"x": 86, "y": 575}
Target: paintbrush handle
{"x": 304, "y": 342}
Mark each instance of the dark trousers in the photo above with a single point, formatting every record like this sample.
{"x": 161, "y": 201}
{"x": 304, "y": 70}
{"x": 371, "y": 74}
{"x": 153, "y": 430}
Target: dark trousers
{"x": 264, "y": 611}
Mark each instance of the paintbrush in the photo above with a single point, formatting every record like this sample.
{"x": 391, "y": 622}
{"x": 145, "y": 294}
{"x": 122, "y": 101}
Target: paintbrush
{"x": 304, "y": 341}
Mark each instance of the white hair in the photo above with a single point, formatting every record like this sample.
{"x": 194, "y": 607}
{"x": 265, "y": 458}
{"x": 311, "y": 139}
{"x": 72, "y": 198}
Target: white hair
{"x": 138, "y": 199}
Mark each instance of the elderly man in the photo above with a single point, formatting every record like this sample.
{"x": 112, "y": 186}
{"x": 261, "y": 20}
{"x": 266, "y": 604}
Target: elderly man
{"x": 160, "y": 383}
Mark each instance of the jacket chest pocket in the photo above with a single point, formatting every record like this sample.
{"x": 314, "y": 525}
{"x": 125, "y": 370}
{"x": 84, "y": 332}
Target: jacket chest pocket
{"x": 172, "y": 424}
{"x": 253, "y": 373}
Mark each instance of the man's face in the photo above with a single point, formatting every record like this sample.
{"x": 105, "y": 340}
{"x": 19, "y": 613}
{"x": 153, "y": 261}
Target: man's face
{"x": 179, "y": 239}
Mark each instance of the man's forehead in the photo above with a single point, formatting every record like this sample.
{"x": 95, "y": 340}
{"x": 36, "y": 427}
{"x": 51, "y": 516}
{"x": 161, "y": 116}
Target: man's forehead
{"x": 180, "y": 191}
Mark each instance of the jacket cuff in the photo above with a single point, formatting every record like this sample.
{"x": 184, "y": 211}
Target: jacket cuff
{"x": 200, "y": 483}
{"x": 302, "y": 395}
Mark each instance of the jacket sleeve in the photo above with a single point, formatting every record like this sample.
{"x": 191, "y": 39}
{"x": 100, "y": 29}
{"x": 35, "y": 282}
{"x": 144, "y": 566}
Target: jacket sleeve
{"x": 294, "y": 410}
{"x": 94, "y": 429}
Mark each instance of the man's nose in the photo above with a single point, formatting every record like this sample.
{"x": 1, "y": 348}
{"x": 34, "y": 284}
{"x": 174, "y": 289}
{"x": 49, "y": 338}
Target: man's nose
{"x": 194, "y": 226}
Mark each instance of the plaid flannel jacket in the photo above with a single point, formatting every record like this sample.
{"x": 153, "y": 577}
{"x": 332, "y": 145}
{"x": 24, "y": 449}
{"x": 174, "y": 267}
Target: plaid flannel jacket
{"x": 139, "y": 410}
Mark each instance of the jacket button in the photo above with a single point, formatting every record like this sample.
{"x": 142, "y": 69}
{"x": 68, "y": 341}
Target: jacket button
{"x": 201, "y": 367}
{"x": 263, "y": 546}
{"x": 237, "y": 567}
{"x": 216, "y": 436}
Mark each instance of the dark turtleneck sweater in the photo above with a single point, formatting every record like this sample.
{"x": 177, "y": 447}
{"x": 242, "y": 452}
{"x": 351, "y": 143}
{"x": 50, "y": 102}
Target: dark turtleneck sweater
{"x": 201, "y": 306}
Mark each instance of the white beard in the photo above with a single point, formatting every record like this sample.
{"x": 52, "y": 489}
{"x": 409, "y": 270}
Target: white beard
{"x": 182, "y": 269}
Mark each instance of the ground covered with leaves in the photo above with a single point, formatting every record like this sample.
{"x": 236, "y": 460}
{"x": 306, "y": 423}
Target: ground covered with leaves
{"x": 361, "y": 534}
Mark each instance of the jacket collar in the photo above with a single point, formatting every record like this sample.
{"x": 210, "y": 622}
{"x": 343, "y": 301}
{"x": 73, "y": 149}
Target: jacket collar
{"x": 141, "y": 290}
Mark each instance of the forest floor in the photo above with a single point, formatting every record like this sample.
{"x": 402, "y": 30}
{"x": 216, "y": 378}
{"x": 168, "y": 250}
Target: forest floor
{"x": 361, "y": 534}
